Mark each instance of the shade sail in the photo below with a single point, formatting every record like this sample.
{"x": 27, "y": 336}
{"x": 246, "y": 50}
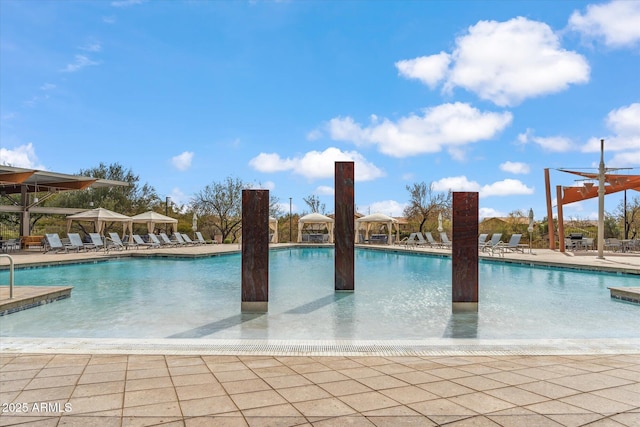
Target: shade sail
{"x": 366, "y": 222}
{"x": 99, "y": 217}
{"x": 318, "y": 219}
{"x": 152, "y": 218}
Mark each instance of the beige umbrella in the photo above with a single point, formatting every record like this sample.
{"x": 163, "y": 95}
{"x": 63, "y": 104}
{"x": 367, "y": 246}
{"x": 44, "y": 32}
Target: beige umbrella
{"x": 273, "y": 225}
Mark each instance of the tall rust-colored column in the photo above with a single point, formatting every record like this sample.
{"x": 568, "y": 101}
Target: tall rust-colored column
{"x": 561, "y": 242}
{"x": 344, "y": 230}
{"x": 552, "y": 229}
{"x": 464, "y": 252}
{"x": 255, "y": 251}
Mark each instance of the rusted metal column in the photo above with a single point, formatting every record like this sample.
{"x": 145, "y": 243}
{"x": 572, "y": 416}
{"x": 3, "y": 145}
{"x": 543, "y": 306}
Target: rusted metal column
{"x": 464, "y": 252}
{"x": 255, "y": 251}
{"x": 552, "y": 234}
{"x": 344, "y": 229}
{"x": 560, "y": 219}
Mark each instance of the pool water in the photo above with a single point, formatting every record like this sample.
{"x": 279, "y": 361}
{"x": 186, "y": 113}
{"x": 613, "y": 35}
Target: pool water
{"x": 397, "y": 296}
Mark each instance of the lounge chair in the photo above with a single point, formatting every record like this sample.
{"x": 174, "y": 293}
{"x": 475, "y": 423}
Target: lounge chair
{"x": 491, "y": 244}
{"x": 430, "y": 240}
{"x": 114, "y": 241}
{"x": 513, "y": 245}
{"x": 75, "y": 242}
{"x": 53, "y": 243}
{"x": 482, "y": 239}
{"x": 97, "y": 242}
{"x": 139, "y": 242}
{"x": 165, "y": 240}
{"x": 201, "y": 239}
{"x": 188, "y": 240}
{"x": 445, "y": 240}
{"x": 406, "y": 241}
{"x": 179, "y": 239}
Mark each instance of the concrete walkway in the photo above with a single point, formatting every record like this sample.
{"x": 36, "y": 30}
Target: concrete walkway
{"x": 573, "y": 385}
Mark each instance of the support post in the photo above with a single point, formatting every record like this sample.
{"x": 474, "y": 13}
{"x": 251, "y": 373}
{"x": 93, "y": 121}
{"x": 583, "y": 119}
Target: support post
{"x": 344, "y": 228}
{"x": 552, "y": 234}
{"x": 255, "y": 251}
{"x": 464, "y": 252}
{"x": 560, "y": 219}
{"x": 601, "y": 193}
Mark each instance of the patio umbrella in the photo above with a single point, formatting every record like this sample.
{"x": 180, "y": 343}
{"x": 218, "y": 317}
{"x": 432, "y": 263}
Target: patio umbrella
{"x": 440, "y": 222}
{"x": 194, "y": 222}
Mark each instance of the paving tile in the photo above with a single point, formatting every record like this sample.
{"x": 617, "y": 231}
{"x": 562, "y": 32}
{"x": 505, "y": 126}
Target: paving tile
{"x": 510, "y": 377}
{"x": 105, "y": 367}
{"x": 287, "y": 381}
{"x": 574, "y": 420}
{"x": 245, "y": 386}
{"x": 368, "y": 401}
{"x": 264, "y": 363}
{"x": 45, "y": 394}
{"x": 275, "y": 421}
{"x": 372, "y": 360}
{"x": 343, "y": 364}
{"x": 350, "y": 420}
{"x": 28, "y": 421}
{"x": 556, "y": 407}
{"x": 382, "y": 382}
{"x": 198, "y": 391}
{"x": 226, "y": 366}
{"x": 308, "y": 368}
{"x": 189, "y": 369}
{"x": 598, "y": 404}
{"x": 477, "y": 421}
{"x": 302, "y": 393}
{"x": 445, "y": 388}
{"x": 344, "y": 387}
{"x": 164, "y": 409}
{"x": 49, "y": 382}
{"x": 393, "y": 368}
{"x": 416, "y": 377}
{"x": 284, "y": 410}
{"x": 9, "y": 375}
{"x": 135, "y": 374}
{"x": 84, "y": 390}
{"x": 401, "y": 421}
{"x": 95, "y": 404}
{"x": 538, "y": 373}
{"x": 181, "y": 380}
{"x": 547, "y": 389}
{"x": 408, "y": 394}
{"x": 631, "y": 419}
{"x": 325, "y": 377}
{"x": 173, "y": 361}
{"x": 212, "y": 405}
{"x": 481, "y": 403}
{"x": 590, "y": 382}
{"x": 324, "y": 408}
{"x": 478, "y": 369}
{"x": 149, "y": 396}
{"x": 90, "y": 421}
{"x": 619, "y": 394}
{"x": 243, "y": 374}
{"x": 236, "y": 420}
{"x": 274, "y": 371}
{"x": 517, "y": 396}
{"x": 147, "y": 383}
{"x": 102, "y": 377}
{"x": 257, "y": 399}
{"x": 356, "y": 373}
{"x": 449, "y": 373}
{"x": 60, "y": 371}
{"x": 443, "y": 407}
{"x": 14, "y": 385}
{"x": 479, "y": 383}
{"x": 536, "y": 420}
{"x": 393, "y": 411}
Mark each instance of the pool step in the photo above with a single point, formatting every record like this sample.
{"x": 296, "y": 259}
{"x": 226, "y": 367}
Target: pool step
{"x": 626, "y": 294}
{"x": 25, "y": 297}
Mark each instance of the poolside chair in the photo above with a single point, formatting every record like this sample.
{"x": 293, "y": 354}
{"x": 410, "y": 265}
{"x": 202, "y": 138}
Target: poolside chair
{"x": 612, "y": 245}
{"x": 165, "y": 240}
{"x": 139, "y": 242}
{"x": 114, "y": 241}
{"x": 188, "y": 240}
{"x": 482, "y": 239}
{"x": 53, "y": 243}
{"x": 201, "y": 238}
{"x": 445, "y": 240}
{"x": 513, "y": 245}
{"x": 430, "y": 240}
{"x": 491, "y": 244}
{"x": 97, "y": 242}
{"x": 407, "y": 240}
{"x": 75, "y": 242}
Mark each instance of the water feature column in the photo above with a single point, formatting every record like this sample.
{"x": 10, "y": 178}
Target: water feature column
{"x": 255, "y": 251}
{"x": 344, "y": 231}
{"x": 464, "y": 252}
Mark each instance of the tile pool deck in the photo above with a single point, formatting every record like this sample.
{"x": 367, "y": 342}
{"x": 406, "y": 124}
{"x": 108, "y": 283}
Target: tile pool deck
{"x": 453, "y": 382}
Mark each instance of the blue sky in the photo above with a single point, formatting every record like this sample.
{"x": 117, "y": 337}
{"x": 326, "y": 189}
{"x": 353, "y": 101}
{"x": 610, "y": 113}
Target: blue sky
{"x": 467, "y": 95}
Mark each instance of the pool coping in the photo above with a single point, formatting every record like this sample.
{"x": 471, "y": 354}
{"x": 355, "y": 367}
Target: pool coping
{"x": 425, "y": 347}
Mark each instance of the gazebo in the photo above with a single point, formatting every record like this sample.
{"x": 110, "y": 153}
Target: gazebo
{"x": 152, "y": 218}
{"x": 99, "y": 216}
{"x": 366, "y": 222}
{"x": 316, "y": 220}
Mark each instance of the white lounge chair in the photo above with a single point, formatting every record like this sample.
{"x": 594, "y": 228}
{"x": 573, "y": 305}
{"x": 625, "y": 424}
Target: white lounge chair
{"x": 75, "y": 242}
{"x": 188, "y": 240}
{"x": 178, "y": 239}
{"x": 444, "y": 240}
{"x": 430, "y": 240}
{"x": 97, "y": 242}
{"x": 114, "y": 241}
{"x": 165, "y": 240}
{"x": 53, "y": 243}
{"x": 482, "y": 239}
{"x": 491, "y": 244}
{"x": 512, "y": 245}
{"x": 201, "y": 239}
{"x": 139, "y": 242}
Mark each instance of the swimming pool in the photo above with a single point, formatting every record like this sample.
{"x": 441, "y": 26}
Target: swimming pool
{"x": 397, "y": 296}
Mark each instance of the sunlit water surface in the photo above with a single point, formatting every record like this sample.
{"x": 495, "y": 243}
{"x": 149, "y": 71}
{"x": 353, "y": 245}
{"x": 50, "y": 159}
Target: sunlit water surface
{"x": 397, "y": 296}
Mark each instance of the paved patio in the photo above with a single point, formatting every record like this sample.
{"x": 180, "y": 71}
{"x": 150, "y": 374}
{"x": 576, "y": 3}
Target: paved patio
{"x": 572, "y": 384}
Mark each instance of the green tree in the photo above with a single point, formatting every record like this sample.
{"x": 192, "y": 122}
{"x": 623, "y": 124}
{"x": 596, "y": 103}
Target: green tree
{"x": 221, "y": 202}
{"x": 631, "y": 218}
{"x": 425, "y": 204}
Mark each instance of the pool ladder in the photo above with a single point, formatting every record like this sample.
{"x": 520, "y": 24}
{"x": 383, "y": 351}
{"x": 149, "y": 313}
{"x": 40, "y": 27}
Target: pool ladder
{"x": 10, "y": 274}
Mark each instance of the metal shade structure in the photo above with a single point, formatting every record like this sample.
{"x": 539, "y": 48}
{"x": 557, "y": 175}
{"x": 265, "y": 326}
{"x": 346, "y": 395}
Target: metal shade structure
{"x": 99, "y": 217}
{"x": 152, "y": 218}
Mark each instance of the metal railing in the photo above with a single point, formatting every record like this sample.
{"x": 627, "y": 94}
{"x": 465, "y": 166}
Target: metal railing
{"x": 10, "y": 274}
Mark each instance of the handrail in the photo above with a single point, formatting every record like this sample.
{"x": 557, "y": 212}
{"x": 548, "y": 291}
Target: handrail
{"x": 10, "y": 274}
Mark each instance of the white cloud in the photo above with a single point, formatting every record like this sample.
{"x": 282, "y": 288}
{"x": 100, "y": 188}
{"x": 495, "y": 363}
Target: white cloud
{"x": 126, "y": 3}
{"x": 92, "y": 47}
{"x": 182, "y": 161}
{"x": 627, "y": 159}
{"x": 617, "y": 22}
{"x": 446, "y": 125}
{"x": 504, "y": 62}
{"x": 387, "y": 207}
{"x": 47, "y": 86}
{"x": 430, "y": 70}
{"x": 317, "y": 164}
{"x": 489, "y": 213}
{"x": 555, "y": 144}
{"x": 325, "y": 190}
{"x": 515, "y": 167}
{"x": 80, "y": 62}
{"x": 507, "y": 187}
{"x": 625, "y": 123}
{"x": 268, "y": 185}
{"x": 314, "y": 135}
{"x": 23, "y": 156}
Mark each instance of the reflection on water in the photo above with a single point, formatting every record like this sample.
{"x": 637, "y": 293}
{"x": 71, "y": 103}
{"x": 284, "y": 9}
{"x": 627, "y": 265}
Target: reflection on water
{"x": 462, "y": 325}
